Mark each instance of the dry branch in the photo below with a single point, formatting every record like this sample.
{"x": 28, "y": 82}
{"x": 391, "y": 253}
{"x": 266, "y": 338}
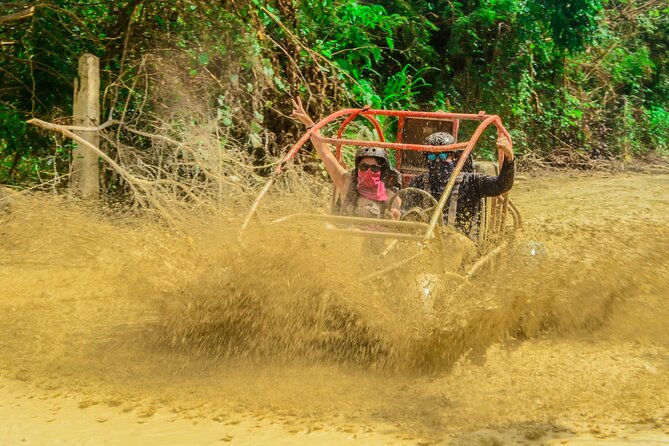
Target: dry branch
{"x": 127, "y": 176}
{"x": 28, "y": 12}
{"x": 175, "y": 177}
{"x": 65, "y": 130}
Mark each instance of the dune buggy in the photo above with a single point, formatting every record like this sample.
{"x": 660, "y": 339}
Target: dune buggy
{"x": 423, "y": 227}
{"x": 416, "y": 280}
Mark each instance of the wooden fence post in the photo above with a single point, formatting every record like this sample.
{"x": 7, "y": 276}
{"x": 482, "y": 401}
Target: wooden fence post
{"x": 85, "y": 171}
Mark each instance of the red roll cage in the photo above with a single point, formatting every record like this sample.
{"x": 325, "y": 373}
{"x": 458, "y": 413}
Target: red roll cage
{"x": 371, "y": 114}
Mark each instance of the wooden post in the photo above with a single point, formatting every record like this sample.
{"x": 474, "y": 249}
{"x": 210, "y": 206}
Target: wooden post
{"x": 85, "y": 172}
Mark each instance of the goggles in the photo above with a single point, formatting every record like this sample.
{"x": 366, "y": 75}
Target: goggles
{"x": 373, "y": 167}
{"x": 443, "y": 156}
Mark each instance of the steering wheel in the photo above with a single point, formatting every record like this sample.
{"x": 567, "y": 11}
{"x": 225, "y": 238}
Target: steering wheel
{"x": 421, "y": 212}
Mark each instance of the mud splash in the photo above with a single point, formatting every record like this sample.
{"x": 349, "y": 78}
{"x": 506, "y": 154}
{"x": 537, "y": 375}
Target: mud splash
{"x": 125, "y": 310}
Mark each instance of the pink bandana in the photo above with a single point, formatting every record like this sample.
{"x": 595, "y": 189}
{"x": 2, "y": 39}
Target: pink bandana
{"x": 370, "y": 185}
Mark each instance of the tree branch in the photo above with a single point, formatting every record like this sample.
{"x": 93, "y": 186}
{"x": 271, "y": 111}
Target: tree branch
{"x": 24, "y": 14}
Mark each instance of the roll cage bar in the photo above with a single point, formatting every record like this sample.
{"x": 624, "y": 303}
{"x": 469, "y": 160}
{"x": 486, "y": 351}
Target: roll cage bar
{"x": 423, "y": 231}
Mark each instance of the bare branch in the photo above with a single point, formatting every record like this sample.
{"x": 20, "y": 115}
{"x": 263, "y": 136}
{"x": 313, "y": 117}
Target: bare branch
{"x": 24, "y": 14}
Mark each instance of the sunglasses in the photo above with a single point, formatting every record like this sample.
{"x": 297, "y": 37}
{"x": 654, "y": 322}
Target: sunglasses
{"x": 443, "y": 156}
{"x": 373, "y": 167}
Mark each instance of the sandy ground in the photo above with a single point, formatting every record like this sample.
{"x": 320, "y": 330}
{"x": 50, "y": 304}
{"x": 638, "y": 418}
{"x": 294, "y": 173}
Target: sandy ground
{"x": 568, "y": 347}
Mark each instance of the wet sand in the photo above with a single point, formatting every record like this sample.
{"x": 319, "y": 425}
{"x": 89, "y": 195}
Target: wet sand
{"x": 568, "y": 348}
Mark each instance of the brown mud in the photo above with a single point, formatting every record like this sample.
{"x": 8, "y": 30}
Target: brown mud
{"x": 119, "y": 331}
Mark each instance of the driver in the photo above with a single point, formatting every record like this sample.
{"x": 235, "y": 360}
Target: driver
{"x": 369, "y": 187}
{"x": 462, "y": 207}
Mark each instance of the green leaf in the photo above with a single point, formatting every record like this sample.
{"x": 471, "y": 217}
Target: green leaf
{"x": 255, "y": 140}
{"x": 203, "y": 58}
{"x": 255, "y": 127}
{"x": 268, "y": 70}
{"x": 279, "y": 83}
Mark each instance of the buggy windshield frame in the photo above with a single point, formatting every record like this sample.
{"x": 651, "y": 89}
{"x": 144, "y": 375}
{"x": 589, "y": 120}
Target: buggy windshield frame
{"x": 394, "y": 229}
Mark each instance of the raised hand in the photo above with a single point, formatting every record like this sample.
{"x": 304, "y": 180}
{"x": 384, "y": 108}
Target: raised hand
{"x": 504, "y": 145}
{"x": 300, "y": 114}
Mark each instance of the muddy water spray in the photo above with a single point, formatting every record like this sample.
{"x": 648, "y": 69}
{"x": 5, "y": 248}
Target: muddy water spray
{"x": 129, "y": 307}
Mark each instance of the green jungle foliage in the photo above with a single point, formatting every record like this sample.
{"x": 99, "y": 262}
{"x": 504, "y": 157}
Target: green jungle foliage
{"x": 586, "y": 76}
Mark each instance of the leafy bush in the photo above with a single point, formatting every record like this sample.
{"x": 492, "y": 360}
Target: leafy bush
{"x": 582, "y": 75}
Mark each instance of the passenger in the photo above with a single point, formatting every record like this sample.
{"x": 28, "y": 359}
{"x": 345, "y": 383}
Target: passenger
{"x": 369, "y": 187}
{"x": 464, "y": 203}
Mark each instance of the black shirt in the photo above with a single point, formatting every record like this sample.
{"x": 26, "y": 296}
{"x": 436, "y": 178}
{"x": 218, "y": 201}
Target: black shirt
{"x": 473, "y": 187}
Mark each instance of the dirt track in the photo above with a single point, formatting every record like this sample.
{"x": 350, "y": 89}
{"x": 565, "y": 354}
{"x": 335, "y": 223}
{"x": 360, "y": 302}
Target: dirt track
{"x": 576, "y": 340}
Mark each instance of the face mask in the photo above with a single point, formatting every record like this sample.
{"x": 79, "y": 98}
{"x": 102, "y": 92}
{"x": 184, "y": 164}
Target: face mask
{"x": 439, "y": 172}
{"x": 370, "y": 185}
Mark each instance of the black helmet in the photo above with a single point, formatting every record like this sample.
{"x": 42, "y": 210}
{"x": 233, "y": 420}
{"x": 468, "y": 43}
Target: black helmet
{"x": 444, "y": 139}
{"x": 440, "y": 139}
{"x": 375, "y": 152}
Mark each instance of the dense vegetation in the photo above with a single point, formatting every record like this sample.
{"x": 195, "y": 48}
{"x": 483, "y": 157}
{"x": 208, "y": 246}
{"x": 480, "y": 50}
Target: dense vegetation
{"x": 586, "y": 77}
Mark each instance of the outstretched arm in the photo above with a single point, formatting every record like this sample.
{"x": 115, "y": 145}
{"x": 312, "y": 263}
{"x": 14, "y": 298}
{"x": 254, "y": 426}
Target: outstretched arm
{"x": 489, "y": 186}
{"x": 337, "y": 173}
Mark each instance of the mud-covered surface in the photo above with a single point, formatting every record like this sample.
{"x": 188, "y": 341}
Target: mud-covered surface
{"x": 118, "y": 331}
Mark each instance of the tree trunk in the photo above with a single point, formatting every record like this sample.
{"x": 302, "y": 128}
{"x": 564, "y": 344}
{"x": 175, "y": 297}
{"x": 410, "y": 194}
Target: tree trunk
{"x": 85, "y": 175}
